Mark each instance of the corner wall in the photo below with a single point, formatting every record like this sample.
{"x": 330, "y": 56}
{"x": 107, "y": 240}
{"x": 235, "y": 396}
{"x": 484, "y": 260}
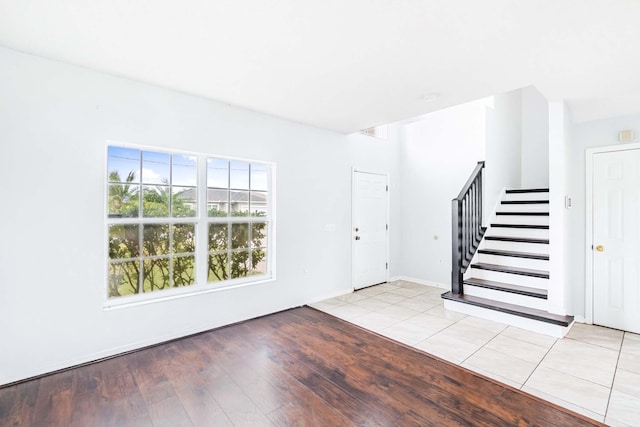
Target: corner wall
{"x": 560, "y": 290}
{"x": 438, "y": 154}
{"x": 535, "y": 139}
{"x": 503, "y": 147}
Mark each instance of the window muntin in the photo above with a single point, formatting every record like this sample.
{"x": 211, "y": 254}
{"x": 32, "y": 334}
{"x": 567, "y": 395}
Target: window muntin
{"x": 154, "y": 222}
{"x": 238, "y": 217}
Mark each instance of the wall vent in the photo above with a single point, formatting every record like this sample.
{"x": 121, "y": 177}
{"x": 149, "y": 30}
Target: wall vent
{"x": 376, "y": 132}
{"x": 626, "y": 136}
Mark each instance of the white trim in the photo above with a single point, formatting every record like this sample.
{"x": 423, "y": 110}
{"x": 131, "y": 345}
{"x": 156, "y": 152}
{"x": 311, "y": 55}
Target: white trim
{"x": 181, "y": 292}
{"x": 370, "y": 171}
{"x": 115, "y": 351}
{"x": 589, "y": 159}
{"x": 580, "y": 319}
{"x": 330, "y": 295}
{"x": 420, "y": 282}
{"x": 388, "y": 214}
{"x": 201, "y": 222}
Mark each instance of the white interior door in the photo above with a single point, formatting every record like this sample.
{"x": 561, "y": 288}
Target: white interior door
{"x": 369, "y": 231}
{"x": 616, "y": 239}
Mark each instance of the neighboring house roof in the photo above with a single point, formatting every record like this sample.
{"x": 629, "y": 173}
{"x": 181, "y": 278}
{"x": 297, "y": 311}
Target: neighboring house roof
{"x": 217, "y": 195}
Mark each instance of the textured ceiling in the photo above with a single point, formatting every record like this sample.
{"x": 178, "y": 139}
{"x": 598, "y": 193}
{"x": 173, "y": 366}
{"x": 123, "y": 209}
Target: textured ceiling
{"x": 348, "y": 65}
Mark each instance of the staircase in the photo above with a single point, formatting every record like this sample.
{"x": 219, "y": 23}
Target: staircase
{"x": 508, "y": 276}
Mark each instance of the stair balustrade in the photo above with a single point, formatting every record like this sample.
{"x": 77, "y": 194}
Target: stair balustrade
{"x": 467, "y": 229}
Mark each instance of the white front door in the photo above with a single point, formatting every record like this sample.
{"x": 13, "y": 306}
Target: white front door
{"x": 369, "y": 231}
{"x": 616, "y": 239}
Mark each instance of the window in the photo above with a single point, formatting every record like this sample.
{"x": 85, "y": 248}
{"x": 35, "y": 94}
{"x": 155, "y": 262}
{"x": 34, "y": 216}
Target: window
{"x": 237, "y": 198}
{"x": 158, "y": 218}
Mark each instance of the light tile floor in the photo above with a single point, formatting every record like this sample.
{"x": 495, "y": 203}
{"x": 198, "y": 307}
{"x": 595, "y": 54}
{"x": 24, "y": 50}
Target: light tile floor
{"x": 594, "y": 371}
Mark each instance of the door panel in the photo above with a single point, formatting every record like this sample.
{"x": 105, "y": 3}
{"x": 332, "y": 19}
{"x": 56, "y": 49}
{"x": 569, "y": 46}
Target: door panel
{"x": 616, "y": 239}
{"x": 369, "y": 232}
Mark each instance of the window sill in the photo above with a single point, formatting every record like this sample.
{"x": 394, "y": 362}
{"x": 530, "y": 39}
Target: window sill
{"x": 168, "y": 295}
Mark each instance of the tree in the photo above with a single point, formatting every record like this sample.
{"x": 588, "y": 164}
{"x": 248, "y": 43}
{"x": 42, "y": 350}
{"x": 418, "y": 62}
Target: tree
{"x": 123, "y": 196}
{"x": 123, "y": 244}
{"x": 245, "y": 255}
{"x": 160, "y": 256}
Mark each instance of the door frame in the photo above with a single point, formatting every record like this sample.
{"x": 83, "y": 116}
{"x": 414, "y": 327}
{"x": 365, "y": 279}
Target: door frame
{"x": 590, "y": 158}
{"x": 354, "y": 170}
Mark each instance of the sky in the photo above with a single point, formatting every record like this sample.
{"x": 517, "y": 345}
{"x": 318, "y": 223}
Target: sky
{"x": 181, "y": 169}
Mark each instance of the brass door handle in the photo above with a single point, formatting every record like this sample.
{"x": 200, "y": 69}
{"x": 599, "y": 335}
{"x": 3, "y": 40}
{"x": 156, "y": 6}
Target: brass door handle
{"x": 599, "y": 248}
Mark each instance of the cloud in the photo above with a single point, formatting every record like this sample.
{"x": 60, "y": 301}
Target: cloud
{"x": 152, "y": 177}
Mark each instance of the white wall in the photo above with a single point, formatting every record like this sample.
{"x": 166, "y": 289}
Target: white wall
{"x": 560, "y": 290}
{"x": 437, "y": 157}
{"x": 535, "y": 139}
{"x": 503, "y": 152}
{"x": 54, "y": 123}
{"x": 598, "y": 133}
{"x": 383, "y": 155}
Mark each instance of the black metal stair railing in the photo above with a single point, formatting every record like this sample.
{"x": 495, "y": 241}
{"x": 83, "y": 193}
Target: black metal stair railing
{"x": 467, "y": 229}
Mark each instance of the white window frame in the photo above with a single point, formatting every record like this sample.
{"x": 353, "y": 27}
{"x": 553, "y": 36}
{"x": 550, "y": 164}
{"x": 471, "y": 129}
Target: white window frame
{"x": 201, "y": 221}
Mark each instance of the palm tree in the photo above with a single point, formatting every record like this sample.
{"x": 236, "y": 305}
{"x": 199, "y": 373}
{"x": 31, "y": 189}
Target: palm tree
{"x": 123, "y": 197}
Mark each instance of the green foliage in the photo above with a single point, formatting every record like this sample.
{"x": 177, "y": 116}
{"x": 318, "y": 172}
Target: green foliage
{"x": 160, "y": 256}
{"x": 123, "y": 197}
{"x": 243, "y": 260}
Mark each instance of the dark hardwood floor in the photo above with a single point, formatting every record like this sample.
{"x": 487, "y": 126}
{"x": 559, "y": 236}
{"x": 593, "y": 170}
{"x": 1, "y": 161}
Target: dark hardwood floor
{"x": 299, "y": 367}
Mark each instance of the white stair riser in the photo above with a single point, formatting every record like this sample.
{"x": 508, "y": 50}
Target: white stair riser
{"x": 519, "y": 232}
{"x": 526, "y": 196}
{"x": 508, "y": 297}
{"x": 536, "y": 264}
{"x": 538, "y": 207}
{"x": 508, "y": 319}
{"x": 518, "y": 219}
{"x": 536, "y": 248}
{"x": 516, "y": 279}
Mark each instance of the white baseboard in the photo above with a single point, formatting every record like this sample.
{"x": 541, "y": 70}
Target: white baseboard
{"x": 48, "y": 368}
{"x": 45, "y": 369}
{"x": 420, "y": 282}
{"x": 329, "y": 296}
{"x": 580, "y": 319}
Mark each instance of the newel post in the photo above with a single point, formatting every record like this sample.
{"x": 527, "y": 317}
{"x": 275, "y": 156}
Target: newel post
{"x": 456, "y": 250}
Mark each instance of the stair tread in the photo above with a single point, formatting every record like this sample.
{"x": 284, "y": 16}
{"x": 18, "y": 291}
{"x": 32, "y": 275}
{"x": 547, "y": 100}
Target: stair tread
{"x": 507, "y": 287}
{"x": 512, "y": 270}
{"x": 525, "y": 202}
{"x": 527, "y": 190}
{"x": 523, "y": 213}
{"x": 516, "y": 254}
{"x": 535, "y": 226}
{"x": 517, "y": 310}
{"x": 517, "y": 239}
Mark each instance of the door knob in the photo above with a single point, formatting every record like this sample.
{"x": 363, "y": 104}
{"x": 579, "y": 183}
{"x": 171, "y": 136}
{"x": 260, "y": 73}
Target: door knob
{"x": 599, "y": 248}
{"x": 357, "y": 237}
{"x": 356, "y": 229}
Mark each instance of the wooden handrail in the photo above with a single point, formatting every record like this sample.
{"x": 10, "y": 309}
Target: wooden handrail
{"x": 466, "y": 227}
